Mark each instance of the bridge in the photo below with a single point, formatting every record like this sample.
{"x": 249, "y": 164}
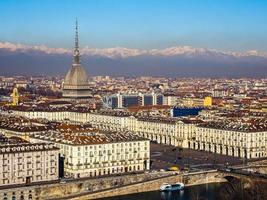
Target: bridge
{"x": 244, "y": 184}
{"x": 241, "y": 174}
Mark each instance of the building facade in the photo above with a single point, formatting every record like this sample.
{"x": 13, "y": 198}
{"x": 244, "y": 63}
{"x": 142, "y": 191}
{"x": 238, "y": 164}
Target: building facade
{"x": 130, "y": 100}
{"x": 180, "y": 132}
{"x": 96, "y": 154}
{"x": 27, "y": 163}
{"x": 231, "y": 141}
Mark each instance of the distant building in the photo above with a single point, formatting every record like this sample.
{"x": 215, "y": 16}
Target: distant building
{"x": 130, "y": 100}
{"x": 264, "y": 107}
{"x": 76, "y": 84}
{"x": 185, "y": 111}
{"x": 196, "y": 102}
{"x": 15, "y": 96}
{"x": 207, "y": 102}
{"x": 219, "y": 93}
{"x": 170, "y": 100}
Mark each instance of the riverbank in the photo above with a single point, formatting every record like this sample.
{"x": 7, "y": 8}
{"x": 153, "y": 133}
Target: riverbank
{"x": 71, "y": 187}
{"x": 205, "y": 191}
{"x": 190, "y": 179}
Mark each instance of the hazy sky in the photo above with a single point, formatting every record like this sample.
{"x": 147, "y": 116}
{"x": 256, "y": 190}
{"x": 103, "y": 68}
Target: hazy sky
{"x": 236, "y": 25}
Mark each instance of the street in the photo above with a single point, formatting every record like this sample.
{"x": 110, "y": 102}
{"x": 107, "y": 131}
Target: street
{"x": 165, "y": 156}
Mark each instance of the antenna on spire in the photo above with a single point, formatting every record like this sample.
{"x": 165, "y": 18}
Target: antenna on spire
{"x": 76, "y": 55}
{"x": 76, "y": 36}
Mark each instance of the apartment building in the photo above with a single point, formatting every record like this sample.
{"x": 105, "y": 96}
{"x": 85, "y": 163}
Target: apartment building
{"x": 24, "y": 163}
{"x": 93, "y": 153}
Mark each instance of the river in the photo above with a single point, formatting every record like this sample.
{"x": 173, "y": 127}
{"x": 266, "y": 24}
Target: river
{"x": 198, "y": 192}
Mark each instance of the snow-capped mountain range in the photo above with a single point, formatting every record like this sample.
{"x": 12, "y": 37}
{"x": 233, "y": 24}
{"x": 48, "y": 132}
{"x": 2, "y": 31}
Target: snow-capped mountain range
{"x": 174, "y": 61}
{"x": 122, "y": 52}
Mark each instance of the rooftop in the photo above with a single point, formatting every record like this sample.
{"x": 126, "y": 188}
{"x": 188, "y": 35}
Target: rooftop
{"x": 26, "y": 147}
{"x": 158, "y": 119}
{"x": 250, "y": 125}
{"x": 21, "y": 124}
{"x": 47, "y": 107}
{"x": 116, "y": 113}
{"x": 87, "y": 138}
{"x": 11, "y": 140}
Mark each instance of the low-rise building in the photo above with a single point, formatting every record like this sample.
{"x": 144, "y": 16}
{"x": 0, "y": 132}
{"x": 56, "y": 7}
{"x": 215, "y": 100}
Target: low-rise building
{"x": 182, "y": 132}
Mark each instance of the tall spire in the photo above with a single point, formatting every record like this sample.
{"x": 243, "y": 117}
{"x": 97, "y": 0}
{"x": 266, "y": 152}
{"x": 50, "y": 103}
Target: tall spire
{"x": 76, "y": 53}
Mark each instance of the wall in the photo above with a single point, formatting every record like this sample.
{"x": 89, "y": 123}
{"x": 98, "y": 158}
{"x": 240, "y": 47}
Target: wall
{"x": 188, "y": 179}
{"x": 60, "y": 190}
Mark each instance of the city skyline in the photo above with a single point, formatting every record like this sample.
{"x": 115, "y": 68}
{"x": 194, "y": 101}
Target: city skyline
{"x": 137, "y": 100}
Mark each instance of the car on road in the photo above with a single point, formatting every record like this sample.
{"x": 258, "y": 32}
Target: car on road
{"x": 173, "y": 168}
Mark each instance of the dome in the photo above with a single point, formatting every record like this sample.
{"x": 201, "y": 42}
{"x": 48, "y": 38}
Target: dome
{"x": 76, "y": 76}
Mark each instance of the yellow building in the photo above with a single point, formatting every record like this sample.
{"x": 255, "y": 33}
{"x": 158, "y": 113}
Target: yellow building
{"x": 15, "y": 96}
{"x": 197, "y": 102}
{"x": 264, "y": 107}
{"x": 207, "y": 101}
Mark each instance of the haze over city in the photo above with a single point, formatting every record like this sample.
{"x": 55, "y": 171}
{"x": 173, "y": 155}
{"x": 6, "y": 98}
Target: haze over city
{"x": 181, "y": 38}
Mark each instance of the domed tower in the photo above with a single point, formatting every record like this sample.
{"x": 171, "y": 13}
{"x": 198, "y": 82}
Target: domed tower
{"x": 75, "y": 84}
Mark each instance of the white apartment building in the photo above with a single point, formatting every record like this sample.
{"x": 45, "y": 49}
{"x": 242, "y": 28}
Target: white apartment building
{"x": 182, "y": 132}
{"x": 27, "y": 163}
{"x": 91, "y": 154}
{"x": 169, "y": 131}
{"x": 170, "y": 100}
{"x": 166, "y": 131}
{"x": 113, "y": 121}
{"x": 232, "y": 139}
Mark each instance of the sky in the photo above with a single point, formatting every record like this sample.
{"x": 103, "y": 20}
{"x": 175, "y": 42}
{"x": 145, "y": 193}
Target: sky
{"x": 234, "y": 25}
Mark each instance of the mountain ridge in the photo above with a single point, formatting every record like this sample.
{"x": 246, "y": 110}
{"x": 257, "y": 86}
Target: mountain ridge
{"x": 120, "y": 61}
{"x": 123, "y": 52}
